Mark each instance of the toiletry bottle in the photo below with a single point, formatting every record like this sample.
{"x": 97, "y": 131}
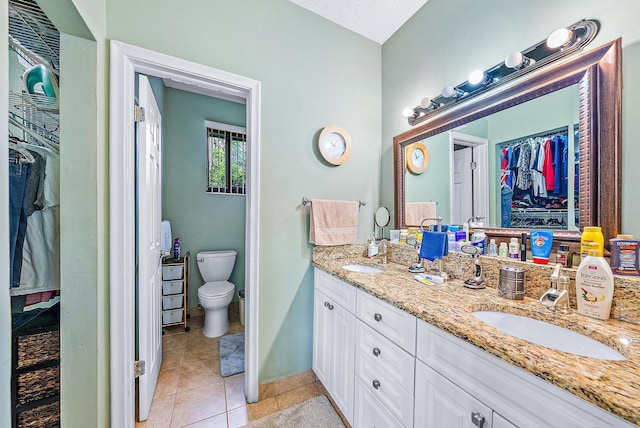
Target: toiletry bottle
{"x": 176, "y": 248}
{"x": 589, "y": 235}
{"x": 504, "y": 251}
{"x": 479, "y": 239}
{"x": 513, "y": 249}
{"x": 493, "y": 248}
{"x": 523, "y": 247}
{"x": 563, "y": 256}
{"x": 594, "y": 285}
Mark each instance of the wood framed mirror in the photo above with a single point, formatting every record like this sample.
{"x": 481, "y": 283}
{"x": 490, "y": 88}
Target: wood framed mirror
{"x": 597, "y": 76}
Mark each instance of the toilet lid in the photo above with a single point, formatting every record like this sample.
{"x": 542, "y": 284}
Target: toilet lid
{"x": 216, "y": 288}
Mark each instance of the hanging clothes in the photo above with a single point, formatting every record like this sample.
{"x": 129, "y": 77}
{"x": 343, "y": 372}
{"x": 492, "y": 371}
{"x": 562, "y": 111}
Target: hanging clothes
{"x": 41, "y": 252}
{"x": 523, "y": 181}
{"x": 19, "y": 172}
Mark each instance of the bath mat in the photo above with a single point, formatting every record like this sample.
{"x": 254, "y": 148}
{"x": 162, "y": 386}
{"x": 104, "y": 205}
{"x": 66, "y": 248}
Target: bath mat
{"x": 316, "y": 412}
{"x": 231, "y": 354}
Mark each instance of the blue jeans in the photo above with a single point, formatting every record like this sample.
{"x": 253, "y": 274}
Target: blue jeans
{"x": 506, "y": 200}
{"x": 18, "y": 179}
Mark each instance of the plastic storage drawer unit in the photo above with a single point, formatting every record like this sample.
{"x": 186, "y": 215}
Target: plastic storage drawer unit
{"x": 172, "y": 287}
{"x": 172, "y": 302}
{"x": 171, "y": 272}
{"x": 172, "y": 317}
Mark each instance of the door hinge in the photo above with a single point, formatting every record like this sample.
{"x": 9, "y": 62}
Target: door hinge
{"x": 473, "y": 165}
{"x": 138, "y": 114}
{"x": 139, "y": 368}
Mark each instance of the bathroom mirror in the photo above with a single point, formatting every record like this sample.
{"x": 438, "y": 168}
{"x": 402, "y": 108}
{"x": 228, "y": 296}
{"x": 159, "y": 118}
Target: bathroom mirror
{"x": 381, "y": 218}
{"x": 597, "y": 77}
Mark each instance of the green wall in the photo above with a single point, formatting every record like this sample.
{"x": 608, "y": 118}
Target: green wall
{"x": 202, "y": 221}
{"x": 313, "y": 73}
{"x": 418, "y": 60}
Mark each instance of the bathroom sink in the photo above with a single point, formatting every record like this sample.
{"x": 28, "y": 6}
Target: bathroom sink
{"x": 548, "y": 335}
{"x": 361, "y": 268}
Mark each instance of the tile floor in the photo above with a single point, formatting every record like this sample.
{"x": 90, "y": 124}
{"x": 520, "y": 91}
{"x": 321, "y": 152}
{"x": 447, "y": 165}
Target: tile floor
{"x": 191, "y": 393}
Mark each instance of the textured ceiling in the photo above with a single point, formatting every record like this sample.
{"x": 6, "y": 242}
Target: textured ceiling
{"x": 374, "y": 19}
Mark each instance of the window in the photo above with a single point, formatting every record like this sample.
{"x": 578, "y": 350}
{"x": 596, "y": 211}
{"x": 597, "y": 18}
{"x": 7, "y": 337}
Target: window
{"x": 226, "y": 159}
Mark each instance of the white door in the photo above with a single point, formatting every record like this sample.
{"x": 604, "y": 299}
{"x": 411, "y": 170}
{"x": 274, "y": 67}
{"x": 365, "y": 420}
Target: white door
{"x": 462, "y": 207}
{"x": 149, "y": 247}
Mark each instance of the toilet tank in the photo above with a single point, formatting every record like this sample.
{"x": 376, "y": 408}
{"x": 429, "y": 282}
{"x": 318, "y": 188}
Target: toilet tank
{"x": 216, "y": 265}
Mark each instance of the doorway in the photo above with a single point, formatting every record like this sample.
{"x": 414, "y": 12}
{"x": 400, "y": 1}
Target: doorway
{"x": 126, "y": 60}
{"x": 469, "y": 189}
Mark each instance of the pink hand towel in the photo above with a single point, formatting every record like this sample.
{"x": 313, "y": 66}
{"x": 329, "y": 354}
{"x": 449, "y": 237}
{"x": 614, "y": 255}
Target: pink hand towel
{"x": 415, "y": 212}
{"x": 333, "y": 222}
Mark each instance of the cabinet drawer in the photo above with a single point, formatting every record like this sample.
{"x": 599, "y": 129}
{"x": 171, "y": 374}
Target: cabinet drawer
{"x": 172, "y": 287}
{"x": 387, "y": 389}
{"x": 172, "y": 316}
{"x": 336, "y": 289}
{"x": 393, "y": 323}
{"x": 369, "y": 412}
{"x": 384, "y": 355}
{"x": 171, "y": 272}
{"x": 172, "y": 302}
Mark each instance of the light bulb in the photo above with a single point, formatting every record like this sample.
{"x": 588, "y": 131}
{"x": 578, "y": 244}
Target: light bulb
{"x": 518, "y": 61}
{"x": 452, "y": 92}
{"x": 477, "y": 76}
{"x": 426, "y": 102}
{"x": 407, "y": 112}
{"x": 559, "y": 38}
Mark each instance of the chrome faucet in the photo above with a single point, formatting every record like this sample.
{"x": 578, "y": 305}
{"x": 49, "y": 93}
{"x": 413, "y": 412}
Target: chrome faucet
{"x": 474, "y": 220}
{"x": 556, "y": 298}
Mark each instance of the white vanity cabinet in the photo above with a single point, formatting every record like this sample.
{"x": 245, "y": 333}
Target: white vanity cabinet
{"x": 482, "y": 383}
{"x": 334, "y": 305}
{"x": 385, "y": 362}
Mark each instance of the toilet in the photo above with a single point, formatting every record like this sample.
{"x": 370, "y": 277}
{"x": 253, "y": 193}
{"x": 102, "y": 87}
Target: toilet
{"x": 216, "y": 293}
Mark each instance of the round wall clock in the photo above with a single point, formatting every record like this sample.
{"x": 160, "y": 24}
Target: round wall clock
{"x": 417, "y": 158}
{"x": 334, "y": 144}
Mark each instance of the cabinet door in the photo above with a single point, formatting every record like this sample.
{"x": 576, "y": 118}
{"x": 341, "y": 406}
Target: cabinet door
{"x": 500, "y": 422}
{"x": 343, "y": 339}
{"x": 440, "y": 403}
{"x": 322, "y": 338}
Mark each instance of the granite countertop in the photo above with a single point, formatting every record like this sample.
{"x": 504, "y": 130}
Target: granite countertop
{"x": 611, "y": 385}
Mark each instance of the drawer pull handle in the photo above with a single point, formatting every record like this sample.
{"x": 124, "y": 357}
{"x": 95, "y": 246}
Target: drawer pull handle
{"x": 330, "y": 306}
{"x": 477, "y": 419}
{"x": 377, "y": 317}
{"x": 376, "y": 385}
{"x": 326, "y": 304}
{"x": 376, "y": 351}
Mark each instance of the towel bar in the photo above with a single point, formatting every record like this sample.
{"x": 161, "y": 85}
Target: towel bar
{"x": 306, "y": 201}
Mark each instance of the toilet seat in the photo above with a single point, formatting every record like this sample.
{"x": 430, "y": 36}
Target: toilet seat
{"x": 215, "y": 289}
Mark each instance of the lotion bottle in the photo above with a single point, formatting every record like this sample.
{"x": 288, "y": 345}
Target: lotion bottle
{"x": 594, "y": 285}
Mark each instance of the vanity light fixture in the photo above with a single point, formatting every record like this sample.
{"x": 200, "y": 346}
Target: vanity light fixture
{"x": 518, "y": 61}
{"x": 452, "y": 92}
{"x": 560, "y": 38}
{"x": 560, "y": 43}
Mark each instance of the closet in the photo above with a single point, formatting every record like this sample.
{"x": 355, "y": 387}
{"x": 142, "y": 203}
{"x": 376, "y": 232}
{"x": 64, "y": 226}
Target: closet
{"x": 34, "y": 214}
{"x": 539, "y": 180}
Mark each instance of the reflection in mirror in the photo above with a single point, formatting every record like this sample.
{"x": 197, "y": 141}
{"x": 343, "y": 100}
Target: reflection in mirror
{"x": 381, "y": 218}
{"x": 523, "y": 182}
{"x": 581, "y": 93}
